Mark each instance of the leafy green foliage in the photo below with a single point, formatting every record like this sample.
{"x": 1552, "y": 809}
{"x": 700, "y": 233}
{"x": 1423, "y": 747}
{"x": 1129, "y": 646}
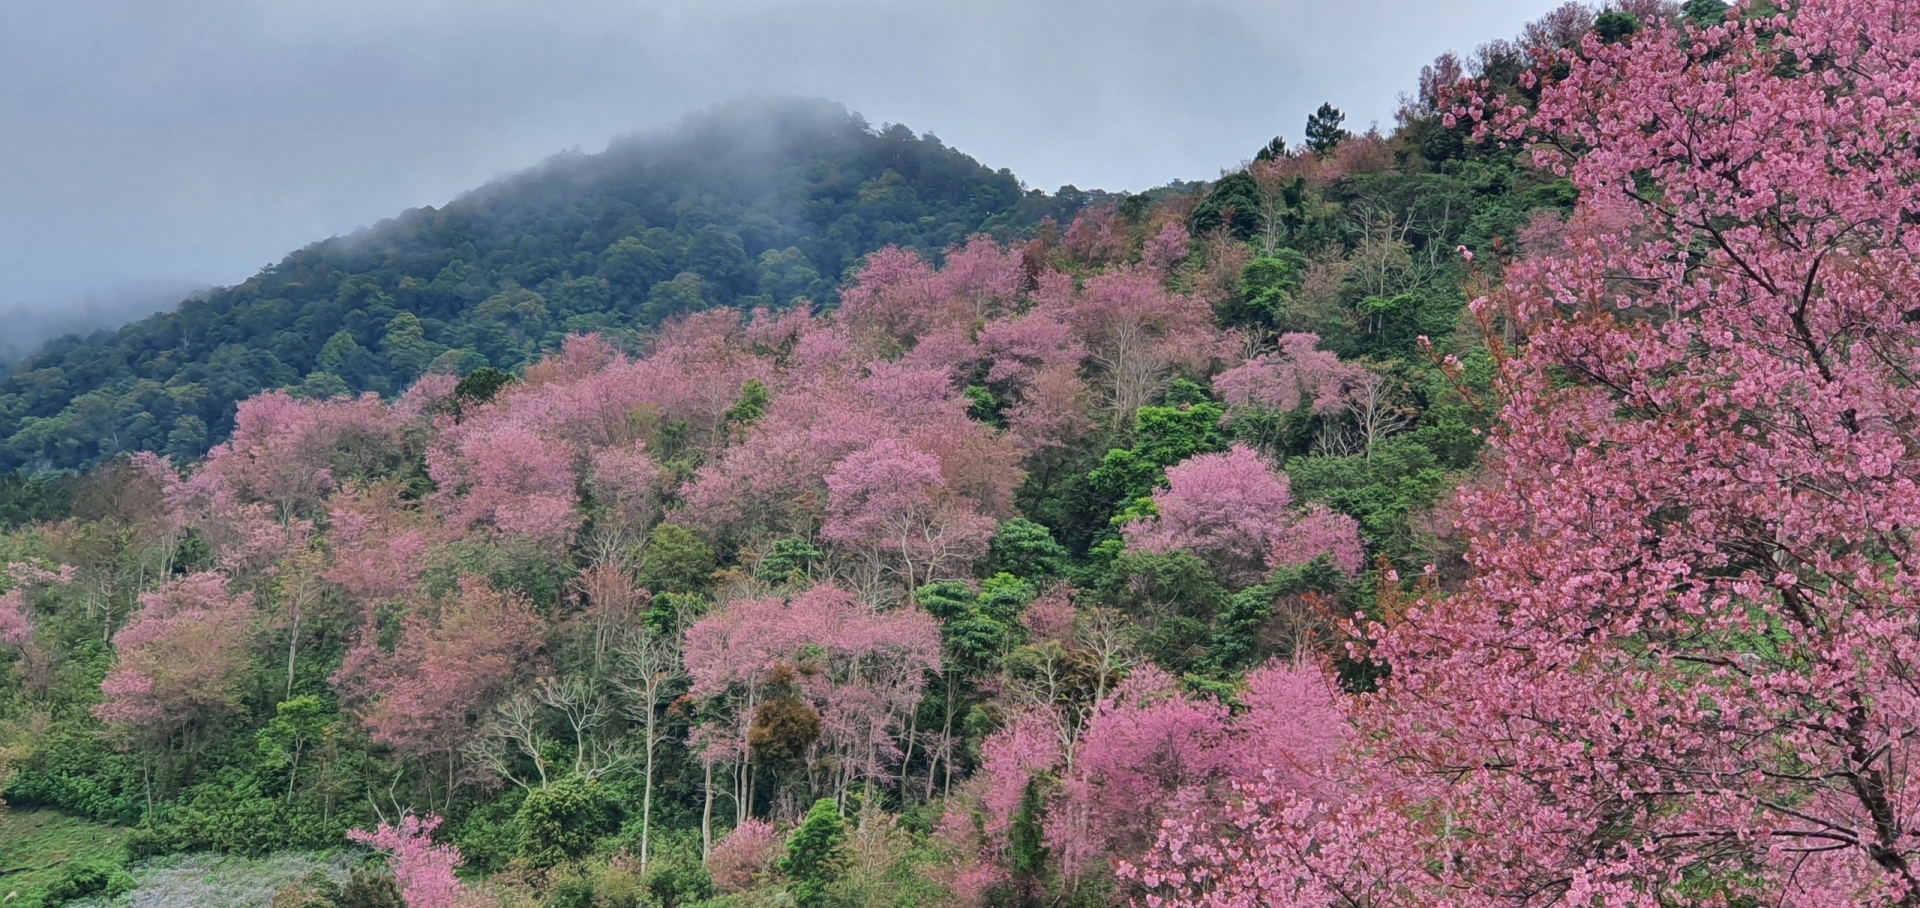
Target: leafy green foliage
{"x": 1384, "y": 491}
{"x": 1029, "y": 839}
{"x": 816, "y": 854}
{"x": 976, "y": 627}
{"x": 1705, "y": 13}
{"x": 1163, "y": 436}
{"x": 1615, "y": 25}
{"x": 47, "y": 858}
{"x": 27, "y": 498}
{"x": 677, "y": 561}
{"x": 79, "y": 879}
{"x": 1323, "y": 129}
{"x": 1027, "y": 549}
{"x": 1232, "y": 204}
{"x": 1237, "y": 642}
{"x": 562, "y": 821}
{"x": 477, "y": 387}
{"x": 789, "y": 559}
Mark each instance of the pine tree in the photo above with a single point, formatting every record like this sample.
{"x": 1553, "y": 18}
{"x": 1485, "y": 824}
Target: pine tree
{"x": 815, "y": 853}
{"x": 1323, "y": 129}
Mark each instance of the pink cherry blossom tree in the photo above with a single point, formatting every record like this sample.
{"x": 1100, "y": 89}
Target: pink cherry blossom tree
{"x": 1138, "y": 334}
{"x": 1682, "y": 674}
{"x": 16, "y": 621}
{"x": 288, "y": 453}
{"x": 1235, "y": 512}
{"x": 177, "y": 664}
{"x": 1151, "y": 754}
{"x": 746, "y": 857}
{"x": 454, "y": 659}
{"x": 892, "y": 501}
{"x": 1144, "y": 746}
{"x": 1297, "y": 375}
{"x": 423, "y": 869}
{"x": 860, "y": 671}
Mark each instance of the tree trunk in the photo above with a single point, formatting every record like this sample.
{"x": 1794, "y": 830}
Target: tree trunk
{"x": 706, "y": 819}
{"x": 293, "y": 647}
{"x": 646, "y": 803}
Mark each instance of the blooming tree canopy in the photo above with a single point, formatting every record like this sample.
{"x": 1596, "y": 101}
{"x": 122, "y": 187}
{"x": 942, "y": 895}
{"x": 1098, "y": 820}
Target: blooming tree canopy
{"x": 1684, "y": 674}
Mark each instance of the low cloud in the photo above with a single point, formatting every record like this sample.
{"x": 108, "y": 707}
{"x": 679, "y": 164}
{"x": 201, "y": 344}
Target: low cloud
{"x": 197, "y": 140}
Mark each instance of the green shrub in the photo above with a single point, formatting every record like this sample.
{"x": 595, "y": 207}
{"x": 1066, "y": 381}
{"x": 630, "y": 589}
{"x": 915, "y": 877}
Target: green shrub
{"x": 816, "y": 853}
{"x": 87, "y": 878}
{"x": 563, "y": 820}
{"x": 675, "y": 875}
{"x": 371, "y": 890}
{"x": 489, "y": 836}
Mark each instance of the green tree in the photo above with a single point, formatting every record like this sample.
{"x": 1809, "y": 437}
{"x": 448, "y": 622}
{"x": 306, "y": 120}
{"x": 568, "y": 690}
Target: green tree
{"x": 1275, "y": 149}
{"x": 1026, "y": 549}
{"x": 297, "y": 725}
{"x": 561, "y": 821}
{"x": 687, "y": 292}
{"x": 816, "y": 854}
{"x": 788, "y": 561}
{"x": 677, "y": 561}
{"x": 343, "y": 356}
{"x": 407, "y": 349}
{"x": 754, "y": 398}
{"x": 1323, "y": 129}
{"x": 478, "y": 387}
{"x": 1615, "y": 25}
{"x": 1705, "y": 13}
{"x": 1163, "y": 436}
{"x": 1233, "y": 204}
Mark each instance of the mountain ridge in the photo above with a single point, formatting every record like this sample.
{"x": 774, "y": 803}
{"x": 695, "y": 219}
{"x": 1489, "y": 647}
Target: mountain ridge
{"x": 758, "y": 202}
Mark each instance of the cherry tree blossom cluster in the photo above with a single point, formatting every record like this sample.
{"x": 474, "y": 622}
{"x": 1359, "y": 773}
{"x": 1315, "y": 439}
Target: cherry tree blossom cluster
{"x": 1683, "y": 672}
{"x": 1236, "y": 512}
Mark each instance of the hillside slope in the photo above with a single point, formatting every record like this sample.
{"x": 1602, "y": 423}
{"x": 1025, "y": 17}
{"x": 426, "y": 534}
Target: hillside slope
{"x": 748, "y": 204}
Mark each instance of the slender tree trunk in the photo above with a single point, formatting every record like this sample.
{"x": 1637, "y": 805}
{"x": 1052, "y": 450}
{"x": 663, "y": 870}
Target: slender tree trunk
{"x": 293, "y": 647}
{"x": 706, "y": 818}
{"x": 742, "y": 804}
{"x": 946, "y": 738}
{"x": 293, "y": 772}
{"x": 906, "y": 759}
{"x": 146, "y": 774}
{"x": 646, "y": 803}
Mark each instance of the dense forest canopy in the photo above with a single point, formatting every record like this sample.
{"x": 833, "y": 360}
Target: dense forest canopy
{"x": 748, "y": 204}
{"x": 1509, "y": 509}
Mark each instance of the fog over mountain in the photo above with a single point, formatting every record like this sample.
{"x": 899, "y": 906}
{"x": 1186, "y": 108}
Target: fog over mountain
{"x": 188, "y": 143}
{"x": 28, "y": 324}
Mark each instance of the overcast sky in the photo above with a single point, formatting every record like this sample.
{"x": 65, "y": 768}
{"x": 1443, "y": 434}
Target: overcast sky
{"x": 157, "y": 143}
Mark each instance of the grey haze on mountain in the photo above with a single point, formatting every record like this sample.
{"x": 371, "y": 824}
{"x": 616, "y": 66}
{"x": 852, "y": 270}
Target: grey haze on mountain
{"x": 151, "y": 146}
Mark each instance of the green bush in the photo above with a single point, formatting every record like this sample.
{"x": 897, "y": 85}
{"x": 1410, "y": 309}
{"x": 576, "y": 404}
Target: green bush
{"x": 148, "y": 842}
{"x": 240, "y": 820}
{"x": 74, "y": 771}
{"x": 677, "y": 561}
{"x": 675, "y": 874}
{"x": 563, "y": 820}
{"x": 88, "y": 878}
{"x": 816, "y": 853}
{"x": 489, "y": 836}
{"x": 371, "y": 890}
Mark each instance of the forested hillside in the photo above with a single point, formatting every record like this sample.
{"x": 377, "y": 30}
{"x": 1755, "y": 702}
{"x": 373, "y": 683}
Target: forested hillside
{"x": 1506, "y": 510}
{"x": 749, "y": 204}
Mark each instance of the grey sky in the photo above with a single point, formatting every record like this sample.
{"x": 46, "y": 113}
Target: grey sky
{"x": 152, "y": 143}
